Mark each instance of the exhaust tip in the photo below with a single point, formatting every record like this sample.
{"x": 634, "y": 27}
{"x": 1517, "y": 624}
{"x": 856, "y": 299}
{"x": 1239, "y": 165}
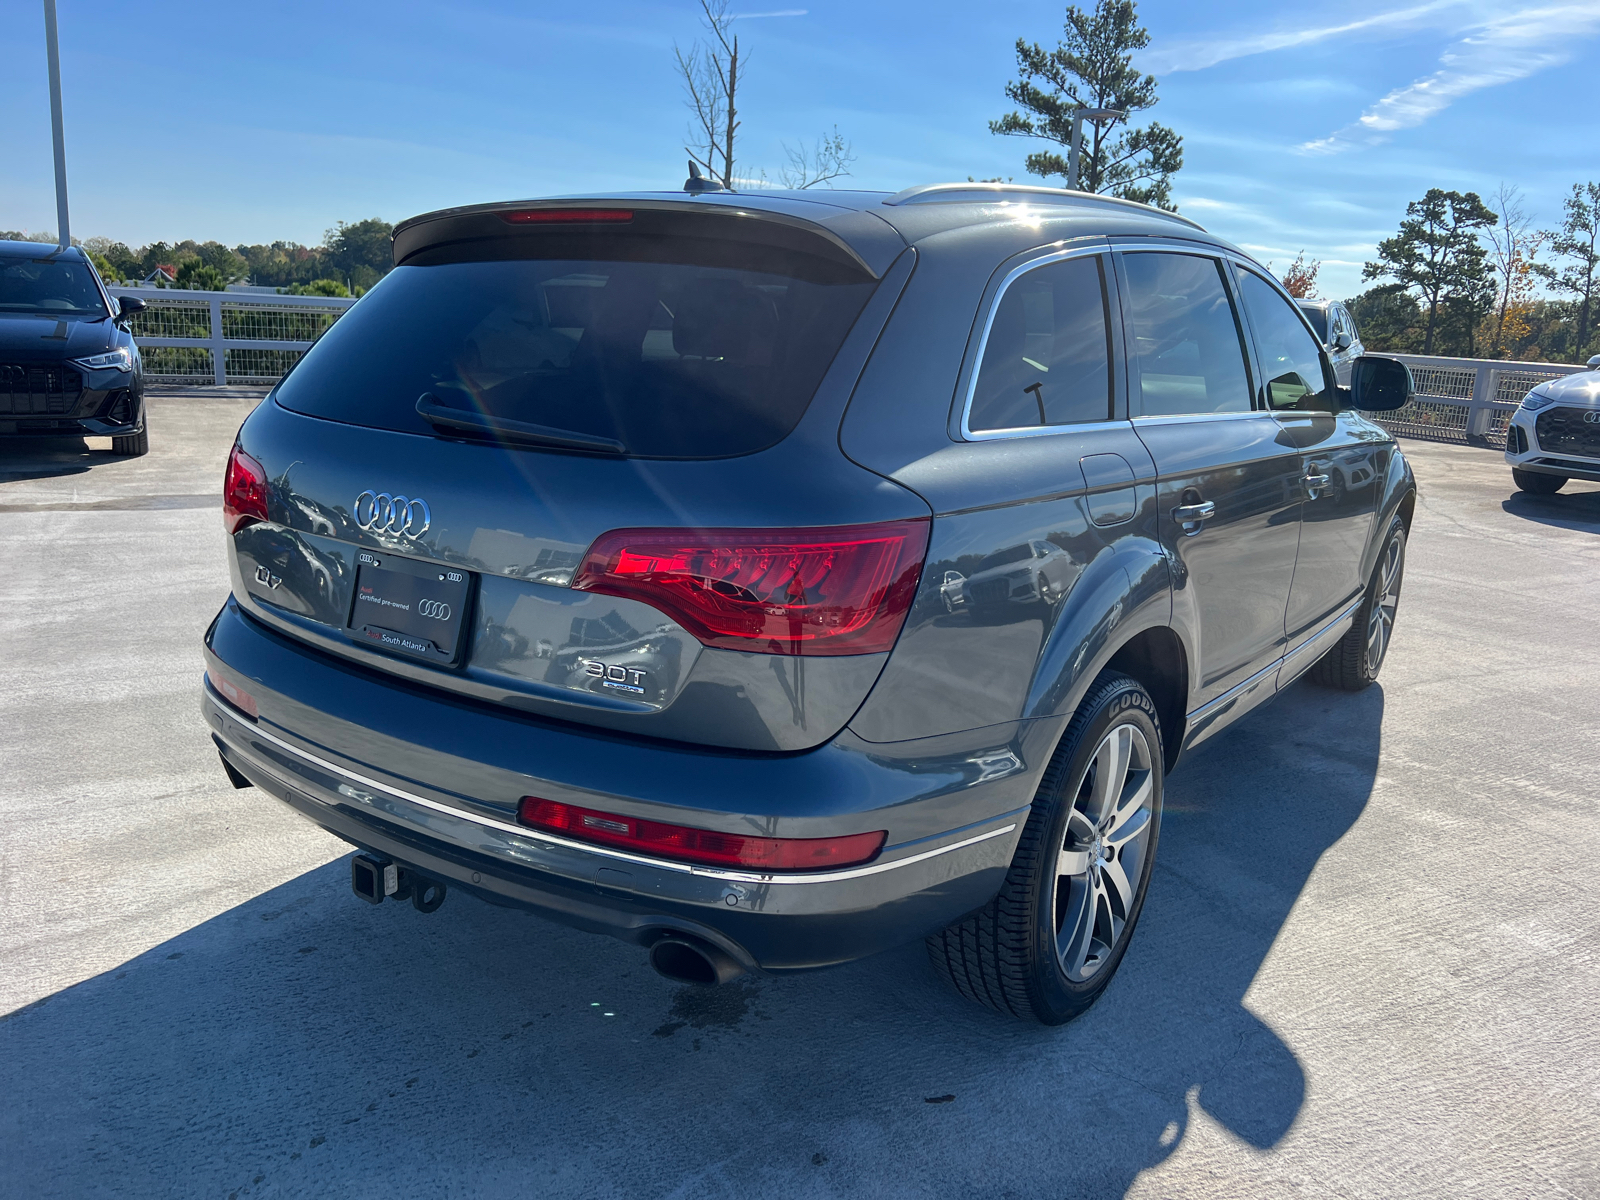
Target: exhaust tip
{"x": 684, "y": 961}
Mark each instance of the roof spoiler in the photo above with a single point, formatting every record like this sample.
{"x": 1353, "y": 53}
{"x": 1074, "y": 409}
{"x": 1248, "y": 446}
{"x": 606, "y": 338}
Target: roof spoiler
{"x": 719, "y": 217}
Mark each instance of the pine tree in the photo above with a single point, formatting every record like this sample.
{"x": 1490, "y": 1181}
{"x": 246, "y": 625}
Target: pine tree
{"x": 1578, "y": 242}
{"x": 1437, "y": 252}
{"x": 1092, "y": 67}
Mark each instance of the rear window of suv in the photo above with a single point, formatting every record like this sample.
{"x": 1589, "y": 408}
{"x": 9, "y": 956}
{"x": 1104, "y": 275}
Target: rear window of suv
{"x": 675, "y": 347}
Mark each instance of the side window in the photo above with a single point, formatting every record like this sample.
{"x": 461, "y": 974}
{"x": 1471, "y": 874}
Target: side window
{"x": 1047, "y": 358}
{"x": 1186, "y": 345}
{"x": 1290, "y": 356}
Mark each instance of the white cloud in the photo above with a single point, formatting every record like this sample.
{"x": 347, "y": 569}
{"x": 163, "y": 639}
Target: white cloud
{"x": 1196, "y": 56}
{"x": 1500, "y": 51}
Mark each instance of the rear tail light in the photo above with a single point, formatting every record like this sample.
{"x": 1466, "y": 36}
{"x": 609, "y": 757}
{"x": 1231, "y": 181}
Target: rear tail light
{"x": 567, "y": 216}
{"x": 838, "y": 590}
{"x": 236, "y": 696}
{"x": 705, "y": 846}
{"x": 244, "y": 492}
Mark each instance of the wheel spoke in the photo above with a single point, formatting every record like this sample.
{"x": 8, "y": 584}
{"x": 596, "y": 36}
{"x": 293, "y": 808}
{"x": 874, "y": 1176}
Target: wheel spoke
{"x": 1119, "y": 885}
{"x": 1076, "y": 935}
{"x": 1071, "y": 862}
{"x": 1111, "y": 773}
{"x": 1130, "y": 829}
{"x": 1136, "y": 794}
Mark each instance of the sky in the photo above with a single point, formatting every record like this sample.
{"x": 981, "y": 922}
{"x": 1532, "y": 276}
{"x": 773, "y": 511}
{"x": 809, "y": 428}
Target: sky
{"x": 1305, "y": 127}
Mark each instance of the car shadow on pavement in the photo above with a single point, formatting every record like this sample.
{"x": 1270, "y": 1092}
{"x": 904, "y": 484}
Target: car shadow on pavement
{"x": 1564, "y": 510}
{"x": 307, "y": 1043}
{"x": 46, "y": 458}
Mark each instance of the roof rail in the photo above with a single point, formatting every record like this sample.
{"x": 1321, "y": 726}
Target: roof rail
{"x": 978, "y": 193}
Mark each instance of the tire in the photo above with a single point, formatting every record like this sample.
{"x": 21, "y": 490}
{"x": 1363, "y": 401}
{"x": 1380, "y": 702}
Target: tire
{"x": 1537, "y": 483}
{"x": 1357, "y": 657}
{"x": 1047, "y": 945}
{"x": 131, "y": 445}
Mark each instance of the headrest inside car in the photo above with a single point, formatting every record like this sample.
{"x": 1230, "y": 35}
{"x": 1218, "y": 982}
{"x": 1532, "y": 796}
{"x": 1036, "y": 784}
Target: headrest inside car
{"x": 720, "y": 319}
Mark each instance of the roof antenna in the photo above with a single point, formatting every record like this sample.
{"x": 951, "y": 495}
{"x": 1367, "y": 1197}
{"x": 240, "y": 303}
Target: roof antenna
{"x": 698, "y": 182}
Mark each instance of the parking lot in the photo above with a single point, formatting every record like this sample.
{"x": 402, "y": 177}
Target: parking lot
{"x": 1369, "y": 963}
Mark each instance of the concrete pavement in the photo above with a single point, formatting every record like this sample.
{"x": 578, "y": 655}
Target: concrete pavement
{"x": 1368, "y": 966}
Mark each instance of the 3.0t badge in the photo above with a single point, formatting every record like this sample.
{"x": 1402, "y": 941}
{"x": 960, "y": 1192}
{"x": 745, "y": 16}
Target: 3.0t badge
{"x": 624, "y": 679}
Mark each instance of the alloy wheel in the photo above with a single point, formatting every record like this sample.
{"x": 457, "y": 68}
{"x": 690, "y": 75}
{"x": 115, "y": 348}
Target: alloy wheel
{"x": 1380, "y": 624}
{"x": 1102, "y": 857}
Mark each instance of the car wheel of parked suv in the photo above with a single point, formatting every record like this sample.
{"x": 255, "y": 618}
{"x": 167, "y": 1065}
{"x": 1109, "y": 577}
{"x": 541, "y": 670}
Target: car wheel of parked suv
{"x": 133, "y": 445}
{"x": 1537, "y": 483}
{"x": 1049, "y": 943}
{"x": 1355, "y": 660}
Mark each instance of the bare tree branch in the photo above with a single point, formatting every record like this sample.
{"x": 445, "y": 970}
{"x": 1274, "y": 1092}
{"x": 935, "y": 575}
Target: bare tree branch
{"x": 712, "y": 72}
{"x": 827, "y": 159}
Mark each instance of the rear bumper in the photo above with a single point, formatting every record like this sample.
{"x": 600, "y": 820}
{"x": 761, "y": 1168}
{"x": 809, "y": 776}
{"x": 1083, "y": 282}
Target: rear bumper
{"x": 428, "y": 781}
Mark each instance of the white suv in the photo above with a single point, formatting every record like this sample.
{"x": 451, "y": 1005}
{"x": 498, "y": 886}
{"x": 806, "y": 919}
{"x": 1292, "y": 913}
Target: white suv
{"x": 1554, "y": 435}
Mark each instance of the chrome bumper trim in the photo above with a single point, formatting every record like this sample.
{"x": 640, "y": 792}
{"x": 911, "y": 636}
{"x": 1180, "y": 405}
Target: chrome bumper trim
{"x": 535, "y": 835}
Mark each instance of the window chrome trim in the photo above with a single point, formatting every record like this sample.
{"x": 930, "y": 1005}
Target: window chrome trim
{"x": 538, "y": 835}
{"x": 989, "y": 435}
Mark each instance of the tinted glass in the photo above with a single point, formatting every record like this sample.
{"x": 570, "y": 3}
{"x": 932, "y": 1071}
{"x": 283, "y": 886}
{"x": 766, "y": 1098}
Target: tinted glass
{"x": 1291, "y": 360}
{"x": 62, "y": 288}
{"x": 1186, "y": 346}
{"x": 1047, "y": 360}
{"x": 675, "y": 359}
{"x": 1319, "y": 320}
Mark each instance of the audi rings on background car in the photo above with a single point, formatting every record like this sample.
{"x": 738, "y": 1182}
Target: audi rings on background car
{"x": 379, "y": 512}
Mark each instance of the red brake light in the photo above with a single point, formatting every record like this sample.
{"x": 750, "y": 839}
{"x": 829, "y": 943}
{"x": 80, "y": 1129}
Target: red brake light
{"x": 705, "y": 846}
{"x": 244, "y": 492}
{"x": 838, "y": 590}
{"x": 236, "y": 696}
{"x": 567, "y": 216}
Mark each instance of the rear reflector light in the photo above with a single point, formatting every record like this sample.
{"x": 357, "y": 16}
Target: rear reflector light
{"x": 244, "y": 492}
{"x": 236, "y": 696}
{"x": 568, "y": 216}
{"x": 837, "y": 590}
{"x": 705, "y": 846}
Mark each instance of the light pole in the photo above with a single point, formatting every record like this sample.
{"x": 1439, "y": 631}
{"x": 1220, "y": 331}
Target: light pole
{"x": 53, "y": 53}
{"x": 1079, "y": 115}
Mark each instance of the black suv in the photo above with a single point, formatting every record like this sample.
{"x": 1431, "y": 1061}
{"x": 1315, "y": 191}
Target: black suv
{"x": 68, "y": 364}
{"x": 769, "y": 580}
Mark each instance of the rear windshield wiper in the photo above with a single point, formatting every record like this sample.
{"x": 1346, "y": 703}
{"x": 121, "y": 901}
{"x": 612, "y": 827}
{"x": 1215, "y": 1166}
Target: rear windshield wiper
{"x": 523, "y": 432}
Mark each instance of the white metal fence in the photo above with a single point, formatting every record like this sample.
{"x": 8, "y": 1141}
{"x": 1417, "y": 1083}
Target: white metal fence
{"x": 195, "y": 338}
{"x": 1466, "y": 399}
{"x": 198, "y": 338}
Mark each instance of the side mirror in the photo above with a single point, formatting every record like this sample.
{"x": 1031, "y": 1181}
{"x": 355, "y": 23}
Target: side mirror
{"x": 127, "y": 306}
{"x": 1341, "y": 341}
{"x": 1380, "y": 384}
{"x": 1594, "y": 362}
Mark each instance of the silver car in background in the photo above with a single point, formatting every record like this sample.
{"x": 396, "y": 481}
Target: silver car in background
{"x": 1337, "y": 329}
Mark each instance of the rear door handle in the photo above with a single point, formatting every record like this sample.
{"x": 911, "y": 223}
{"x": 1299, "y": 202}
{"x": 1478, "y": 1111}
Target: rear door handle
{"x": 1189, "y": 516}
{"x": 1314, "y": 484}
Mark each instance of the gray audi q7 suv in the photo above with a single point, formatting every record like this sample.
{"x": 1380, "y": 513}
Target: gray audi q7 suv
{"x": 636, "y": 560}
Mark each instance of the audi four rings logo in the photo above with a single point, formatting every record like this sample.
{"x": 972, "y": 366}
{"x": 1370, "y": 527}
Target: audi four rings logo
{"x": 1591, "y": 418}
{"x": 379, "y": 512}
{"x": 437, "y": 609}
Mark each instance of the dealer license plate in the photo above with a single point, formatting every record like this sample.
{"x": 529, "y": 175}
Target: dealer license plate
{"x": 412, "y": 608}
